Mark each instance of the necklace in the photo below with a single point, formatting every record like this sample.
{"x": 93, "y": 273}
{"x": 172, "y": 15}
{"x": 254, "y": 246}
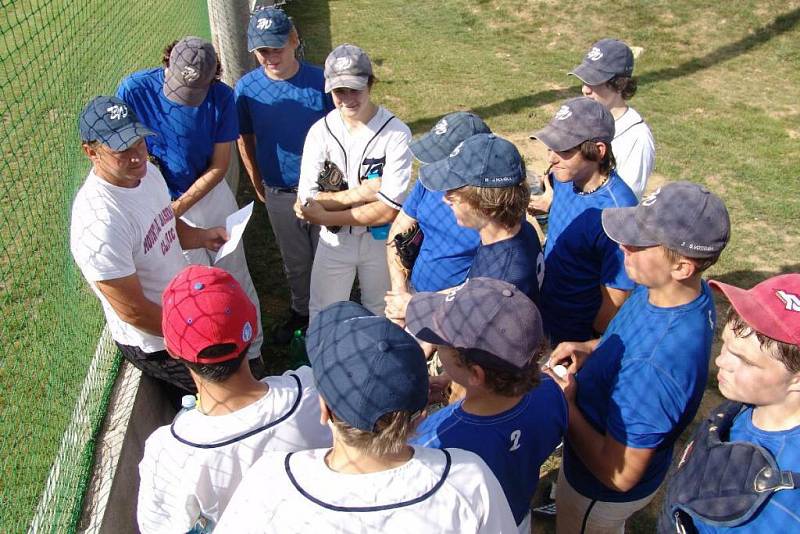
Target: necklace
{"x": 578, "y": 191}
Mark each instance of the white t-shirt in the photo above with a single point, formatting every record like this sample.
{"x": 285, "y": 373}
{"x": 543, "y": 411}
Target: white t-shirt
{"x": 300, "y": 493}
{"x": 634, "y": 149}
{"x": 380, "y": 149}
{"x": 191, "y": 468}
{"x": 118, "y": 231}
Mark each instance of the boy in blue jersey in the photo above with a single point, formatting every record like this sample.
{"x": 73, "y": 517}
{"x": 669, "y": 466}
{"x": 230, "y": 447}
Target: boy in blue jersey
{"x": 759, "y": 372}
{"x": 489, "y": 338}
{"x": 194, "y": 116}
{"x": 585, "y": 282}
{"x": 447, "y": 249}
{"x": 632, "y": 392}
{"x": 277, "y": 104}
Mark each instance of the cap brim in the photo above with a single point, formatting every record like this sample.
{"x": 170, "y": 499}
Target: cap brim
{"x": 128, "y": 136}
{"x": 589, "y": 75}
{"x": 267, "y": 41}
{"x": 326, "y": 321}
{"x": 422, "y": 319}
{"x": 621, "y": 226}
{"x": 350, "y": 81}
{"x": 427, "y": 150}
{"x": 557, "y": 140}
{"x": 438, "y": 177}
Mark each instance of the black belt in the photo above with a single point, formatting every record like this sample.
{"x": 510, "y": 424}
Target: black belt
{"x": 284, "y": 189}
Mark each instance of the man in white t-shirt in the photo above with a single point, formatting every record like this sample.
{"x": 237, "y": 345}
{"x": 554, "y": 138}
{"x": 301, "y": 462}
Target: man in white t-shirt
{"x": 373, "y": 386}
{"x": 607, "y": 76}
{"x": 191, "y": 468}
{"x": 125, "y": 237}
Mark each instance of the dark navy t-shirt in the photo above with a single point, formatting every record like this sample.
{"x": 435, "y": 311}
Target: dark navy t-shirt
{"x": 642, "y": 385}
{"x": 514, "y": 443}
{"x": 517, "y": 260}
{"x": 447, "y": 249}
{"x": 280, "y": 113}
{"x": 186, "y": 134}
{"x": 580, "y": 257}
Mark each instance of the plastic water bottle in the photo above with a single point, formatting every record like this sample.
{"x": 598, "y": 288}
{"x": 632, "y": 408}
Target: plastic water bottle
{"x": 379, "y": 233}
{"x": 188, "y": 402}
{"x": 297, "y": 350}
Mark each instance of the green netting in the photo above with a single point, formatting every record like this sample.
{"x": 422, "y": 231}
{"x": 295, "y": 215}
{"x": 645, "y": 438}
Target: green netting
{"x": 54, "y": 56}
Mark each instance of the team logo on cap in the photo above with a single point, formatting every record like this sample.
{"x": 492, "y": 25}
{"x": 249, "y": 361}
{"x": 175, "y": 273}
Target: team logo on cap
{"x": 117, "y": 112}
{"x": 790, "y": 300}
{"x": 451, "y": 295}
{"x": 456, "y": 150}
{"x": 190, "y": 73}
{"x": 342, "y": 63}
{"x": 650, "y": 199}
{"x": 264, "y": 23}
{"x": 594, "y": 54}
{"x": 247, "y": 332}
{"x": 563, "y": 113}
{"x": 441, "y": 127}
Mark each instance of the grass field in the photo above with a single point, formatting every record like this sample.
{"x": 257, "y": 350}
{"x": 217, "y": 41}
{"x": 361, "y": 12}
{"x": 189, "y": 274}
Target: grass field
{"x": 717, "y": 85}
{"x": 54, "y": 56}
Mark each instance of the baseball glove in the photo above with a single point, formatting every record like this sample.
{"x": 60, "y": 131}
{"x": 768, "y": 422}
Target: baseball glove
{"x": 331, "y": 180}
{"x": 408, "y": 244}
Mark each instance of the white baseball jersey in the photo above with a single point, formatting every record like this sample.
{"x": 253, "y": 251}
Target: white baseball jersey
{"x": 191, "y": 468}
{"x": 378, "y": 150}
{"x": 443, "y": 491}
{"x": 118, "y": 231}
{"x": 634, "y": 149}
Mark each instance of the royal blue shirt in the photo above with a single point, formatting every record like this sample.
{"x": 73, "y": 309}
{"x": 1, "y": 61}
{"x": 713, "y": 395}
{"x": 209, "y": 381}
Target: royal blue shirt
{"x": 514, "y": 443}
{"x": 447, "y": 249}
{"x": 280, "y": 113}
{"x": 517, "y": 260}
{"x": 186, "y": 134}
{"x": 781, "y": 513}
{"x": 642, "y": 385}
{"x": 580, "y": 257}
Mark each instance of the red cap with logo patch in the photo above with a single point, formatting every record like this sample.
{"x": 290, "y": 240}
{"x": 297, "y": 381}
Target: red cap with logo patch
{"x": 205, "y": 306}
{"x": 771, "y": 308}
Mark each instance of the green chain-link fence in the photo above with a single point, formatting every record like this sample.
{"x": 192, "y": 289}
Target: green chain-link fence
{"x": 54, "y": 56}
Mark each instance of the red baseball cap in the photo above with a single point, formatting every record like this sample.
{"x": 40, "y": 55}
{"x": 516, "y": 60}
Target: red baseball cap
{"x": 771, "y": 308}
{"x": 205, "y": 306}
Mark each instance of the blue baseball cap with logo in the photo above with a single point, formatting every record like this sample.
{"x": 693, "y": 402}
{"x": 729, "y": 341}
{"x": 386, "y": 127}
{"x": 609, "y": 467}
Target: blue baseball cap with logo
{"x": 604, "y": 60}
{"x": 365, "y": 366}
{"x": 445, "y": 136}
{"x": 110, "y": 121}
{"x": 483, "y": 160}
{"x": 577, "y": 120}
{"x": 269, "y": 27}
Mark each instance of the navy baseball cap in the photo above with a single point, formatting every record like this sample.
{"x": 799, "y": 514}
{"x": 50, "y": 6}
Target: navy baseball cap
{"x": 577, "y": 120}
{"x": 607, "y": 58}
{"x": 483, "y": 160}
{"x": 347, "y": 66}
{"x": 269, "y": 27}
{"x": 192, "y": 68}
{"x": 365, "y": 366}
{"x": 682, "y": 216}
{"x": 492, "y": 320}
{"x": 109, "y": 120}
{"x": 445, "y": 136}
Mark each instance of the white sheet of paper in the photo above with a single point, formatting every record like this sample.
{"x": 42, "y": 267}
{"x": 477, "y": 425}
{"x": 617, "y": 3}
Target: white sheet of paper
{"x": 235, "y": 224}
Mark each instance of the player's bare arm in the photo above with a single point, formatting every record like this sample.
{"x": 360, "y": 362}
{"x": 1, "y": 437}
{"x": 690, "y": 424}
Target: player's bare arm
{"x": 342, "y": 200}
{"x": 613, "y": 299}
{"x": 614, "y": 464}
{"x": 191, "y": 237}
{"x": 398, "y": 275}
{"x": 572, "y": 354}
{"x": 213, "y": 175}
{"x": 247, "y": 150}
{"x": 127, "y": 298}
{"x": 372, "y": 214}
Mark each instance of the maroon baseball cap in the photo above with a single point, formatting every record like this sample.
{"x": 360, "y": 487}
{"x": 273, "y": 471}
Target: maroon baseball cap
{"x": 771, "y": 308}
{"x": 205, "y": 306}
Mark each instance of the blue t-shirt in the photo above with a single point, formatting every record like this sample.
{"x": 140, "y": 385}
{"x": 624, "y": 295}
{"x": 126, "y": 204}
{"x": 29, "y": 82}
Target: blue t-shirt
{"x": 186, "y": 134}
{"x": 279, "y": 113}
{"x": 447, "y": 249}
{"x": 642, "y": 385}
{"x": 580, "y": 257}
{"x": 514, "y": 444}
{"x": 781, "y": 513}
{"x": 517, "y": 260}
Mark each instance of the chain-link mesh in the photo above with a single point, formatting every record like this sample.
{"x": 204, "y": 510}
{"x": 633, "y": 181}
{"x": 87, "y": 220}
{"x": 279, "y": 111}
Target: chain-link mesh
{"x": 54, "y": 56}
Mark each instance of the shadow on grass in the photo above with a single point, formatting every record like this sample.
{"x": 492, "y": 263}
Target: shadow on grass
{"x": 747, "y": 279}
{"x": 779, "y": 25}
